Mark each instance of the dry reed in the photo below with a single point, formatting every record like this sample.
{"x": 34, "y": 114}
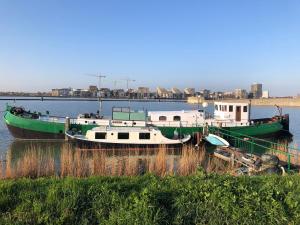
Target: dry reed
{"x": 162, "y": 161}
{"x": 35, "y": 162}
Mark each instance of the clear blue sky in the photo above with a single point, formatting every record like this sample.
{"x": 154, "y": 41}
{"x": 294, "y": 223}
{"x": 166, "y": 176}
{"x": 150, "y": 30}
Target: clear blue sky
{"x": 219, "y": 45}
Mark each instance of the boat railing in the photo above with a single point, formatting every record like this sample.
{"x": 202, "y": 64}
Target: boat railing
{"x": 253, "y": 145}
{"x": 228, "y": 123}
{"x": 170, "y": 123}
{"x": 52, "y": 118}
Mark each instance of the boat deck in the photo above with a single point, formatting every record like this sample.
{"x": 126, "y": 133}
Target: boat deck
{"x": 52, "y": 119}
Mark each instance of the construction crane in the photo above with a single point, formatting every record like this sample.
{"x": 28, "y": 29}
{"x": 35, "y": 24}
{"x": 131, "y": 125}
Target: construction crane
{"x": 100, "y": 77}
{"x": 115, "y": 83}
{"x": 127, "y": 82}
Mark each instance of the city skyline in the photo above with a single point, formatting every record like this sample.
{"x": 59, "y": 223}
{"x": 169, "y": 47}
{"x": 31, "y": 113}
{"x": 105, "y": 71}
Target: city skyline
{"x": 205, "y": 45}
{"x": 256, "y": 91}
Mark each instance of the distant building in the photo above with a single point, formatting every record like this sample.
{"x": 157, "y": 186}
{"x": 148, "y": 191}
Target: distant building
{"x": 131, "y": 93}
{"x": 75, "y": 92}
{"x": 256, "y": 90}
{"x": 55, "y": 92}
{"x": 85, "y": 93}
{"x": 143, "y": 92}
{"x": 216, "y": 95}
{"x": 240, "y": 93}
{"x": 229, "y": 94}
{"x": 61, "y": 92}
{"x": 189, "y": 92}
{"x": 265, "y": 94}
{"x": 105, "y": 93}
{"x": 118, "y": 93}
{"x": 94, "y": 90}
{"x": 176, "y": 93}
{"x": 163, "y": 93}
{"x": 205, "y": 93}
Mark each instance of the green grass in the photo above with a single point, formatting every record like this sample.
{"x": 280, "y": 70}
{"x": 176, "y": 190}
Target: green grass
{"x": 197, "y": 199}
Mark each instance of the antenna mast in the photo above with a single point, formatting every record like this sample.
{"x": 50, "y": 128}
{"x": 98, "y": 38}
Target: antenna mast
{"x": 100, "y": 77}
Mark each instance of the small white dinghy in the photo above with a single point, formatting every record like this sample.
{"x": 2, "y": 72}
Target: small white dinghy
{"x": 128, "y": 136}
{"x": 216, "y": 140}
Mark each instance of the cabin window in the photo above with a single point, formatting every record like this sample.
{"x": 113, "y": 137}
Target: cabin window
{"x": 176, "y": 118}
{"x": 231, "y": 108}
{"x": 224, "y": 108}
{"x": 245, "y": 109}
{"x": 144, "y": 136}
{"x": 100, "y": 135}
{"x": 216, "y": 107}
{"x": 123, "y": 135}
{"x": 162, "y": 118}
{"x": 220, "y": 107}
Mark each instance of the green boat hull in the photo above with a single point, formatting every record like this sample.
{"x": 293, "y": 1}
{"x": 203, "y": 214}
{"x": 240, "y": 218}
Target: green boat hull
{"x": 38, "y": 129}
{"x": 254, "y": 130}
{"x": 25, "y": 128}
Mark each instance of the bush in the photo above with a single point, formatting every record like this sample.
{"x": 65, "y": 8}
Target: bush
{"x": 197, "y": 199}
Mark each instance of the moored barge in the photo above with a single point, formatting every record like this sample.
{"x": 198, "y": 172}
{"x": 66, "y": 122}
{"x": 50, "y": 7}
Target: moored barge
{"x": 231, "y": 116}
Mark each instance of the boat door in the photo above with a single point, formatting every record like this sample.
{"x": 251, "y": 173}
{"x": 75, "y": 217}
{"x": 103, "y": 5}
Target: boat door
{"x": 238, "y": 114}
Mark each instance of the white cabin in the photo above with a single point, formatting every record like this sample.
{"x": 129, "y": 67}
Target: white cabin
{"x": 127, "y": 135}
{"x": 177, "y": 118}
{"x": 228, "y": 112}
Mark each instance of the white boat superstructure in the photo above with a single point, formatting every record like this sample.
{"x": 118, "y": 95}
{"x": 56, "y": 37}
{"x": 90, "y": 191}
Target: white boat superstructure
{"x": 127, "y": 136}
{"x": 185, "y": 118}
{"x": 109, "y": 122}
{"x": 226, "y": 114}
{"x": 121, "y": 117}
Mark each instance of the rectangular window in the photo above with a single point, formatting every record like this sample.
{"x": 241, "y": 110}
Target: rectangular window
{"x": 216, "y": 107}
{"x": 123, "y": 135}
{"x": 245, "y": 109}
{"x": 144, "y": 136}
{"x": 100, "y": 135}
{"x": 162, "y": 118}
{"x": 231, "y": 108}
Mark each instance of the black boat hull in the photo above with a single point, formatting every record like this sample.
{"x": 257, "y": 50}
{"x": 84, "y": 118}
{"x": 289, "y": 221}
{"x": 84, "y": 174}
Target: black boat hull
{"x": 20, "y": 133}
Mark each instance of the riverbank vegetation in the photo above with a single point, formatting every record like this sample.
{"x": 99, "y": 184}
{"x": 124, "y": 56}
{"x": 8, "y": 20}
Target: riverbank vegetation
{"x": 39, "y": 161}
{"x": 197, "y": 199}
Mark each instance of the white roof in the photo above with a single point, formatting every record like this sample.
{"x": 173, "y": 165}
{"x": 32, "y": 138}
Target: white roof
{"x": 172, "y": 112}
{"x": 231, "y": 103}
{"x": 123, "y": 129}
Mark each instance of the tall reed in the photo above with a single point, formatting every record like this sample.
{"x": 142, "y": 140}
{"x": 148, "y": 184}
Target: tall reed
{"x": 36, "y": 162}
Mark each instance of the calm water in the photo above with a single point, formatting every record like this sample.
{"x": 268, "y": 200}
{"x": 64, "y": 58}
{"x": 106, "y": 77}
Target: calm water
{"x": 73, "y": 108}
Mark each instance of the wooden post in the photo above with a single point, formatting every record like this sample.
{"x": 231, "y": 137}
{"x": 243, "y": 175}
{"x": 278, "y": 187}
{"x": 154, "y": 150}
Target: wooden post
{"x": 232, "y": 159}
{"x": 67, "y": 127}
